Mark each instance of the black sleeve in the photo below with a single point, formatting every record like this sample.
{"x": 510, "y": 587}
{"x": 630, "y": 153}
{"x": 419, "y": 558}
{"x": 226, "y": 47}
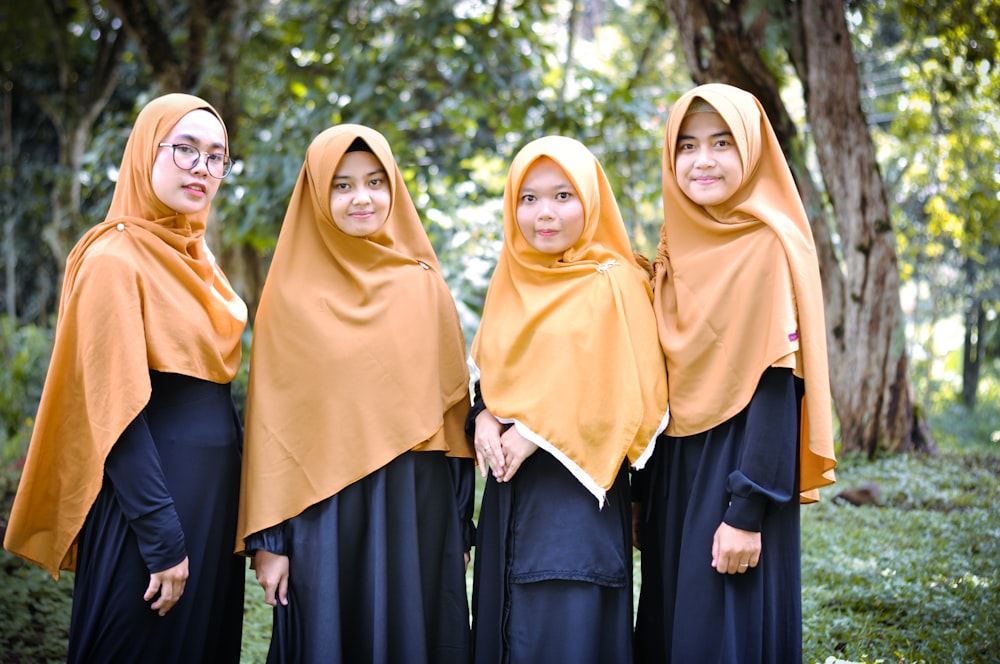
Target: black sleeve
{"x": 768, "y": 469}
{"x": 270, "y": 539}
{"x": 134, "y": 469}
{"x": 478, "y": 406}
{"x": 639, "y": 484}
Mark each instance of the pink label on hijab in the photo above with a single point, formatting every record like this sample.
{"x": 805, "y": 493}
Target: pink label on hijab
{"x": 794, "y": 336}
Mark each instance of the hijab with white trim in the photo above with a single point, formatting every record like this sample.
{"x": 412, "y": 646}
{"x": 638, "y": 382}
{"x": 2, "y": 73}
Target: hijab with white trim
{"x": 567, "y": 348}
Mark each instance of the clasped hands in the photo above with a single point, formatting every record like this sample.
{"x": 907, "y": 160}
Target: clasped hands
{"x": 503, "y": 451}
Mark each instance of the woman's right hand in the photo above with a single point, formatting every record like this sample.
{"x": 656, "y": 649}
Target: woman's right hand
{"x": 167, "y": 587}
{"x": 487, "y": 444}
{"x": 272, "y": 575}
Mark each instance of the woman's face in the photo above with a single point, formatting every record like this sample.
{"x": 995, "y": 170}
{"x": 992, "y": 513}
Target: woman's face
{"x": 189, "y": 191}
{"x": 549, "y": 210}
{"x": 707, "y": 162}
{"x": 360, "y": 197}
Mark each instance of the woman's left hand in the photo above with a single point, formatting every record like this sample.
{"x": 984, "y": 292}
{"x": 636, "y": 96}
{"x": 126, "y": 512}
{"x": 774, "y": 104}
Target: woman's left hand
{"x": 516, "y": 448}
{"x": 735, "y": 551}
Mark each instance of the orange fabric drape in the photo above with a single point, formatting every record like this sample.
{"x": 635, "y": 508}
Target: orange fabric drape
{"x": 358, "y": 354}
{"x": 141, "y": 292}
{"x": 738, "y": 288}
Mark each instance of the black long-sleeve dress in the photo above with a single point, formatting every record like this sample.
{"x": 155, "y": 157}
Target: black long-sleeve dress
{"x": 744, "y": 472}
{"x": 170, "y": 490}
{"x": 377, "y": 571}
{"x": 553, "y": 570}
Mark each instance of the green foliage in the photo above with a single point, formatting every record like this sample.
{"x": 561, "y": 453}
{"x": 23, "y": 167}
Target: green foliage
{"x": 934, "y": 92}
{"x": 957, "y": 428}
{"x": 24, "y": 359}
{"x": 34, "y": 616}
{"x": 914, "y": 580}
{"x": 257, "y": 618}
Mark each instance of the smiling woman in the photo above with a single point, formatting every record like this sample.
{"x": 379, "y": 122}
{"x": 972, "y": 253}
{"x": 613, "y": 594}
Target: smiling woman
{"x": 549, "y": 211}
{"x": 132, "y": 474}
{"x": 182, "y": 180}
{"x": 360, "y": 197}
{"x": 357, "y": 477}
{"x": 567, "y": 308}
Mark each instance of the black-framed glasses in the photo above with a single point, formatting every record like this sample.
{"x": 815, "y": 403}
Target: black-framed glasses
{"x": 187, "y": 156}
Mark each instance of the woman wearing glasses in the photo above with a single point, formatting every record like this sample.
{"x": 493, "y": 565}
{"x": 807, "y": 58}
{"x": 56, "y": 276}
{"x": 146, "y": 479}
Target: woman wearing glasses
{"x": 132, "y": 475}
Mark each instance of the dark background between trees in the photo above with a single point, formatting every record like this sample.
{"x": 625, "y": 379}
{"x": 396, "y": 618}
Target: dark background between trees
{"x": 886, "y": 110}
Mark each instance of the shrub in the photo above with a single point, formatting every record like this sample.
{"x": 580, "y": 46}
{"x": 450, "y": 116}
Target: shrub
{"x": 24, "y": 359}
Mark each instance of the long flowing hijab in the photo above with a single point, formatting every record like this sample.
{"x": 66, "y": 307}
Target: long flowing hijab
{"x": 738, "y": 288}
{"x": 358, "y": 354}
{"x": 567, "y": 348}
{"x": 141, "y": 291}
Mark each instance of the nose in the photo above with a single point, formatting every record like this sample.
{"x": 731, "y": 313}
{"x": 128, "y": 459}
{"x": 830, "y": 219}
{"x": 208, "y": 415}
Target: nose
{"x": 361, "y": 195}
{"x": 201, "y": 166}
{"x": 705, "y": 158}
{"x": 545, "y": 211}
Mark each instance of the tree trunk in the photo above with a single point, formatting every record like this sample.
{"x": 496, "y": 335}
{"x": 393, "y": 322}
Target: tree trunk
{"x": 84, "y": 90}
{"x": 869, "y": 371}
{"x": 6, "y": 179}
{"x": 975, "y": 319}
{"x": 868, "y": 362}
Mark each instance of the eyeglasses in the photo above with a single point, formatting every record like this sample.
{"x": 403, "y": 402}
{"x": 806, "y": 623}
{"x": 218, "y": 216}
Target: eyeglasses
{"x": 187, "y": 156}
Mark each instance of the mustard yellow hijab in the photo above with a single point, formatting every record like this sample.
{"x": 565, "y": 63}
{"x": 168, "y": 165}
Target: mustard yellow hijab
{"x": 567, "y": 347}
{"x": 141, "y": 292}
{"x": 358, "y": 354}
{"x": 738, "y": 288}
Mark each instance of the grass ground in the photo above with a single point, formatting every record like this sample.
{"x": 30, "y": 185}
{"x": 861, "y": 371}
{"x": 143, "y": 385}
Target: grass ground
{"x": 916, "y": 579}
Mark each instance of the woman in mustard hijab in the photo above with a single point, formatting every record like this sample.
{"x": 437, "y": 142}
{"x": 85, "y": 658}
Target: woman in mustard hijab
{"x": 132, "y": 474}
{"x": 358, "y": 482}
{"x": 571, "y": 390}
{"x": 739, "y": 309}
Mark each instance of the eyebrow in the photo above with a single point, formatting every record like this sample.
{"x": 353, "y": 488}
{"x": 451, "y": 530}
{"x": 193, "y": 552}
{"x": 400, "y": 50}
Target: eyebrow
{"x": 718, "y": 134}
{"x": 188, "y": 138}
{"x": 558, "y": 188}
{"x": 366, "y": 175}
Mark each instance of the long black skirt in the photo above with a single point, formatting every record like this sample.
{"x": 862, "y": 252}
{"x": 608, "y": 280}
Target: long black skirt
{"x": 197, "y": 440}
{"x": 553, "y": 571}
{"x": 377, "y": 571}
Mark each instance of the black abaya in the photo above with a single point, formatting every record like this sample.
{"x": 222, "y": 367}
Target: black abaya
{"x": 553, "y": 571}
{"x": 744, "y": 472}
{"x": 170, "y": 490}
{"x": 377, "y": 571}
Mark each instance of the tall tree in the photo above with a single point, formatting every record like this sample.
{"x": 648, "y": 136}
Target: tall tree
{"x": 730, "y": 42}
{"x": 63, "y": 55}
{"x": 870, "y": 373}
